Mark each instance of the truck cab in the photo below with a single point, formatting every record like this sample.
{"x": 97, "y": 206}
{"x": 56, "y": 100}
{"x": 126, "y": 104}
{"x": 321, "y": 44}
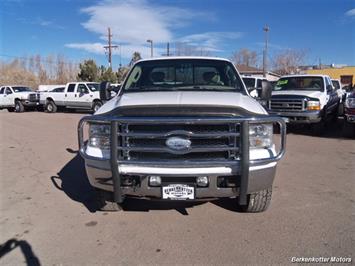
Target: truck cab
{"x": 182, "y": 128}
{"x": 76, "y": 95}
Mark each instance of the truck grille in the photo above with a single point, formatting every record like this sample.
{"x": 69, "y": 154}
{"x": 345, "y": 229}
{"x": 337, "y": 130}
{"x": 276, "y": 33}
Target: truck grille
{"x": 207, "y": 142}
{"x": 286, "y": 105}
{"x": 33, "y": 97}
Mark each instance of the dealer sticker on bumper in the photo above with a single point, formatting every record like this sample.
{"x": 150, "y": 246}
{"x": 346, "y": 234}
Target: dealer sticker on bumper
{"x": 178, "y": 192}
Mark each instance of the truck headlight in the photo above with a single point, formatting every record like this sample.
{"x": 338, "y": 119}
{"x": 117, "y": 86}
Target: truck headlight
{"x": 99, "y": 136}
{"x": 313, "y": 106}
{"x": 350, "y": 103}
{"x": 260, "y": 135}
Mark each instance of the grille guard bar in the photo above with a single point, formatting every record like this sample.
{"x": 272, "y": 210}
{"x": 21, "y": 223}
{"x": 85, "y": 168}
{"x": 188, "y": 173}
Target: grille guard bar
{"x": 244, "y": 161}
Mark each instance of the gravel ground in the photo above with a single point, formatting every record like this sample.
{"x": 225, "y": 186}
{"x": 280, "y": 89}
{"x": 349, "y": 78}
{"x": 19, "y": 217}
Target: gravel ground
{"x": 47, "y": 214}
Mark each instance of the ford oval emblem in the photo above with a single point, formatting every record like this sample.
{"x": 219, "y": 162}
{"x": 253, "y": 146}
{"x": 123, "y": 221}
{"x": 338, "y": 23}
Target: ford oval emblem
{"x": 177, "y": 143}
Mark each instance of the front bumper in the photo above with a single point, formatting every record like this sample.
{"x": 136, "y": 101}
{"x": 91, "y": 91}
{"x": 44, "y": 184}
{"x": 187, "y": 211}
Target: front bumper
{"x": 350, "y": 114}
{"x": 249, "y": 174}
{"x": 304, "y": 117}
{"x": 350, "y": 118}
{"x": 100, "y": 176}
{"x": 29, "y": 103}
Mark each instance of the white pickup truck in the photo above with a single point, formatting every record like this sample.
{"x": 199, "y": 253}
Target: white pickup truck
{"x": 18, "y": 98}
{"x": 76, "y": 95}
{"x": 253, "y": 84}
{"x": 182, "y": 128}
{"x": 305, "y": 99}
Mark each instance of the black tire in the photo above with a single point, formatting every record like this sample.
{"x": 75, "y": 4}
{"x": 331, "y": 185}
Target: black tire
{"x": 19, "y": 108}
{"x": 96, "y": 105}
{"x": 258, "y": 201}
{"x": 105, "y": 201}
{"x": 10, "y": 109}
{"x": 50, "y": 107}
{"x": 348, "y": 129}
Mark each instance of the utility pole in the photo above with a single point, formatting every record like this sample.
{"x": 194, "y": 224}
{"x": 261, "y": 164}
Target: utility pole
{"x": 151, "y": 47}
{"x": 109, "y": 47}
{"x": 167, "y": 49}
{"x": 266, "y": 29}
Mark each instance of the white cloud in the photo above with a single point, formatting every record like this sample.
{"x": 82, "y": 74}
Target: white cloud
{"x": 211, "y": 41}
{"x": 126, "y": 49}
{"x": 350, "y": 13}
{"x": 95, "y": 48}
{"x": 133, "y": 22}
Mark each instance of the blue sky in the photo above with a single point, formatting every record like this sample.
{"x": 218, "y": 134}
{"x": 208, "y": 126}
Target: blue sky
{"x": 77, "y": 28}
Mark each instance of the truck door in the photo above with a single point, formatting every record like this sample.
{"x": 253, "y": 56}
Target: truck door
{"x": 70, "y": 95}
{"x": 9, "y": 97}
{"x": 84, "y": 96}
{"x": 2, "y": 96}
{"x": 332, "y": 96}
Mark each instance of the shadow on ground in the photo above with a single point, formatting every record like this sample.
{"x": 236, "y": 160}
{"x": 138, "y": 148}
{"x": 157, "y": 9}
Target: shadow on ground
{"x": 332, "y": 129}
{"x": 142, "y": 205}
{"x": 11, "y": 244}
{"x": 73, "y": 181}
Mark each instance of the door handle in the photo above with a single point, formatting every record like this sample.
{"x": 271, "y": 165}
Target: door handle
{"x": 65, "y": 95}
{"x": 74, "y": 95}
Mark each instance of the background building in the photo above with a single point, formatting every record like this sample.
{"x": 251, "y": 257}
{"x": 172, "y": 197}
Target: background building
{"x": 345, "y": 74}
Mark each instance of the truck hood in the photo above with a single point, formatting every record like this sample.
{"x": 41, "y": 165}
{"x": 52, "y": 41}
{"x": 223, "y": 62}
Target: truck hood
{"x": 183, "y": 99}
{"x": 25, "y": 92}
{"x": 312, "y": 94}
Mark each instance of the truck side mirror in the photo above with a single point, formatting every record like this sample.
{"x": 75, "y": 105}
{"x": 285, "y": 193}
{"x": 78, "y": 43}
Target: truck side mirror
{"x": 266, "y": 89}
{"x": 329, "y": 88}
{"x": 105, "y": 93}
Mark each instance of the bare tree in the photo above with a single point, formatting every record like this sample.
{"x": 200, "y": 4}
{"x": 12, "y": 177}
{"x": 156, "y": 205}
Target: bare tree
{"x": 35, "y": 70}
{"x": 288, "y": 61}
{"x": 244, "y": 56}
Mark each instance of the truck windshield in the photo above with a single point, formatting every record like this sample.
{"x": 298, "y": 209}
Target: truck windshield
{"x": 249, "y": 82}
{"x": 184, "y": 74}
{"x": 300, "y": 83}
{"x": 21, "y": 89}
{"x": 93, "y": 86}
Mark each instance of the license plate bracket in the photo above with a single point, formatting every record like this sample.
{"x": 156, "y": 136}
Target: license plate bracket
{"x": 178, "y": 191}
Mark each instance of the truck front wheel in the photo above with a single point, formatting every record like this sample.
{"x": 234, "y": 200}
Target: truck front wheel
{"x": 19, "y": 108}
{"x": 105, "y": 201}
{"x": 96, "y": 106}
{"x": 258, "y": 201}
{"x": 51, "y": 107}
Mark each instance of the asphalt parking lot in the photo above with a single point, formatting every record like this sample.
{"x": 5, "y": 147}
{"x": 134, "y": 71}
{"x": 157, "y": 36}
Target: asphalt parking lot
{"x": 47, "y": 214}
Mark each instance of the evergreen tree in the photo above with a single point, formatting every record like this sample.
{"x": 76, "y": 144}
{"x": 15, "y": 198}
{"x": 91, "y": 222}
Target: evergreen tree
{"x": 88, "y": 71}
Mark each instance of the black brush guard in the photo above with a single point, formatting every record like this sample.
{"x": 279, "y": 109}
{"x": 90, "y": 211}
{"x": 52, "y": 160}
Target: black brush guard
{"x": 244, "y": 161}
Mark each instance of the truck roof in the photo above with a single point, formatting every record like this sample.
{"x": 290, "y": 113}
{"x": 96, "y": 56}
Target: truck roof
{"x": 76, "y": 82}
{"x": 184, "y": 57}
{"x": 305, "y": 75}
